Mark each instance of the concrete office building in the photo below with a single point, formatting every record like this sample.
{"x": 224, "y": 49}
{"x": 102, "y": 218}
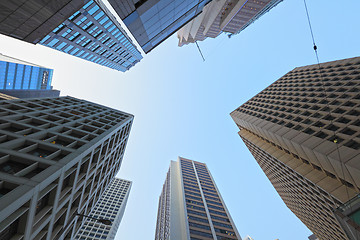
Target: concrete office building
{"x": 191, "y": 207}
{"x": 111, "y": 206}
{"x": 303, "y": 130}
{"x": 82, "y": 28}
{"x": 57, "y": 156}
{"x": 230, "y": 16}
{"x": 153, "y": 21}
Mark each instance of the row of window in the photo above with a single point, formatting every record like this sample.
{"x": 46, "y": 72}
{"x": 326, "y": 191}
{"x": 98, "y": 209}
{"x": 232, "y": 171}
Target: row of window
{"x": 292, "y": 190}
{"x": 19, "y": 76}
{"x": 94, "y": 37}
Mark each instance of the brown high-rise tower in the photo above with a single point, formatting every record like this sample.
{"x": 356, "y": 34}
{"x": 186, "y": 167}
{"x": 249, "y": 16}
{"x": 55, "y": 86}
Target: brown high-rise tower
{"x": 303, "y": 130}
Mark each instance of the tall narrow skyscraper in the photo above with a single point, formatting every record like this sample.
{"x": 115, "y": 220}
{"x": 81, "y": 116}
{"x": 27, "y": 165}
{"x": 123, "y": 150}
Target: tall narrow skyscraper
{"x": 23, "y": 79}
{"x": 82, "y": 28}
{"x": 191, "y": 207}
{"x": 304, "y": 131}
{"x": 57, "y": 156}
{"x": 111, "y": 206}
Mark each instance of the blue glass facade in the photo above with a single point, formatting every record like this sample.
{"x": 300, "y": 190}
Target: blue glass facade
{"x": 16, "y": 76}
{"x": 92, "y": 33}
{"x": 153, "y": 21}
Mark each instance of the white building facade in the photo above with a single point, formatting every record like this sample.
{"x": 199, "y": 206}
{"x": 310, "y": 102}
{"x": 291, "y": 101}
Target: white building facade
{"x": 111, "y": 206}
{"x": 230, "y": 16}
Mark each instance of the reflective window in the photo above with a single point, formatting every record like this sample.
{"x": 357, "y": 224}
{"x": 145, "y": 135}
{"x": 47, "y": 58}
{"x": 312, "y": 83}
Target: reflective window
{"x": 34, "y": 78}
{"x": 19, "y": 76}
{"x": 97, "y": 23}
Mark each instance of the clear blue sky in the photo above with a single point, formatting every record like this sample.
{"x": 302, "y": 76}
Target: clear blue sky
{"x": 182, "y": 105}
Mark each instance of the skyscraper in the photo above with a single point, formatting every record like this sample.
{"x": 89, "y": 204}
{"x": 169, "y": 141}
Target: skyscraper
{"x": 230, "y": 16}
{"x": 303, "y": 130}
{"x": 111, "y": 206}
{"x": 57, "y": 155}
{"x": 152, "y": 22}
{"x": 191, "y": 207}
{"x": 85, "y": 29}
{"x": 23, "y": 79}
{"x": 18, "y": 74}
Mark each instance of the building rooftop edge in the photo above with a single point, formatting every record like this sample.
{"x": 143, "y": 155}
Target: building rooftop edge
{"x": 6, "y": 58}
{"x": 123, "y": 179}
{"x": 315, "y": 65}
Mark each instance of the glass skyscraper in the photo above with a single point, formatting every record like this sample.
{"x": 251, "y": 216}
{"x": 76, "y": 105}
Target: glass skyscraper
{"x": 82, "y": 28}
{"x": 22, "y": 79}
{"x": 191, "y": 207}
{"x": 152, "y": 22}
{"x": 92, "y": 33}
{"x": 18, "y": 74}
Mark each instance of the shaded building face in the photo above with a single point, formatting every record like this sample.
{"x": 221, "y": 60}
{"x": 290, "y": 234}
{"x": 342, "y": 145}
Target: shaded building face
{"x": 57, "y": 156}
{"x": 84, "y": 29}
{"x": 153, "y": 21}
{"x": 30, "y": 21}
{"x": 200, "y": 212}
{"x": 303, "y": 130}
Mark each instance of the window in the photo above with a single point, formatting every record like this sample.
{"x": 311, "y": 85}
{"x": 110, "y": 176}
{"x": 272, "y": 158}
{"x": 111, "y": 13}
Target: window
{"x": 99, "y": 15}
{"x": 93, "y": 10}
{"x": 10, "y": 231}
{"x": 195, "y": 232}
{"x": 53, "y": 42}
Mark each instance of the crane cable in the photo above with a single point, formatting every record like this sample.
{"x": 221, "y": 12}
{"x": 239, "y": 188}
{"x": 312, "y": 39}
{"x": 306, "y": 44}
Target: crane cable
{"x": 200, "y": 51}
{"x": 335, "y": 140}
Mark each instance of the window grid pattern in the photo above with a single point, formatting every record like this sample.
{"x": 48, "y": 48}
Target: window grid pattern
{"x": 93, "y": 34}
{"x": 311, "y": 204}
{"x": 257, "y": 9}
{"x": 80, "y": 142}
{"x": 222, "y": 226}
{"x": 300, "y": 117}
{"x": 206, "y": 216}
{"x": 110, "y": 206}
{"x": 163, "y": 220}
{"x": 197, "y": 216}
{"x": 310, "y": 120}
{"x": 299, "y": 101}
